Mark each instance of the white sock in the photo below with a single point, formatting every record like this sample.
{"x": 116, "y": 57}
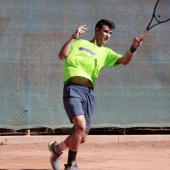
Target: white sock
{"x": 61, "y": 146}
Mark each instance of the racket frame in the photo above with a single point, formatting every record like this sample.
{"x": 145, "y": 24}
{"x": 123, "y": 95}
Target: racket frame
{"x": 153, "y": 17}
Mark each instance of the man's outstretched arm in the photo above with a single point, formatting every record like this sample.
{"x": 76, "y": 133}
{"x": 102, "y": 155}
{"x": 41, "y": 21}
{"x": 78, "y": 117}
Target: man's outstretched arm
{"x": 129, "y": 54}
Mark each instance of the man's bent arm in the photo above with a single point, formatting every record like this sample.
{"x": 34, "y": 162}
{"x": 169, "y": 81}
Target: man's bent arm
{"x": 64, "y": 52}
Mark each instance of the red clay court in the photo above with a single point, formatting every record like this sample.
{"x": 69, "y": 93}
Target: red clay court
{"x": 127, "y": 152}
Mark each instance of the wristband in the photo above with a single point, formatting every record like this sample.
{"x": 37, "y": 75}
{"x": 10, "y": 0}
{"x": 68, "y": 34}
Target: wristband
{"x": 130, "y": 52}
{"x": 74, "y": 35}
{"x": 132, "y": 49}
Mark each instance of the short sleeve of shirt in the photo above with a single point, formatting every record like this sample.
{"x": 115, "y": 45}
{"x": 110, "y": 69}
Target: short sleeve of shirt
{"x": 112, "y": 58}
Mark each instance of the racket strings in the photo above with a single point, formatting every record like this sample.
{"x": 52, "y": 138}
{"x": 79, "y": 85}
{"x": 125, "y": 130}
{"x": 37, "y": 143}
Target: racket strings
{"x": 162, "y": 11}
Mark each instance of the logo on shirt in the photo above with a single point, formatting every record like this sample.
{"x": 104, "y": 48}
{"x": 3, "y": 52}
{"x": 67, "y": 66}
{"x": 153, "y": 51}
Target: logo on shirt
{"x": 87, "y": 51}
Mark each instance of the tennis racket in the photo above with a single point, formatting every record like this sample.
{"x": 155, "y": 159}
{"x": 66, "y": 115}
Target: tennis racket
{"x": 161, "y": 14}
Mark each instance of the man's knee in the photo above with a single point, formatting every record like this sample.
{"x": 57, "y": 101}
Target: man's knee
{"x": 80, "y": 129}
{"x": 79, "y": 124}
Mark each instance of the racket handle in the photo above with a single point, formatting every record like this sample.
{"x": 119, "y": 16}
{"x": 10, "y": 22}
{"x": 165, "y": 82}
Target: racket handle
{"x": 143, "y": 34}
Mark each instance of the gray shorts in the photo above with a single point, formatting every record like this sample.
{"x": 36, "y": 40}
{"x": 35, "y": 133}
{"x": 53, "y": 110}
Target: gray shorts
{"x": 78, "y": 100}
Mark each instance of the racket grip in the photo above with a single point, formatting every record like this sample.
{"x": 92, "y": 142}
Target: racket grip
{"x": 143, "y": 34}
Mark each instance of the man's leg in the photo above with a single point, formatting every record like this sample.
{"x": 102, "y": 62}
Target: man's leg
{"x": 76, "y": 138}
{"x": 79, "y": 109}
{"x": 72, "y": 142}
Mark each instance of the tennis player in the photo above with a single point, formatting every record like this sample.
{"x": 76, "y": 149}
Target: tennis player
{"x": 83, "y": 61}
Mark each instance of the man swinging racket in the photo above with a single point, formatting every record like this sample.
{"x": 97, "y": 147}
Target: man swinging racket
{"x": 83, "y": 61}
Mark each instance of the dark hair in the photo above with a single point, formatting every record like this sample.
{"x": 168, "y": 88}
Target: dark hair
{"x": 102, "y": 22}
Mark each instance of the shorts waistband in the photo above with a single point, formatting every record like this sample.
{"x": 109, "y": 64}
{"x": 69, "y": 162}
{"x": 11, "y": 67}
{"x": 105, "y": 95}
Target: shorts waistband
{"x": 70, "y": 83}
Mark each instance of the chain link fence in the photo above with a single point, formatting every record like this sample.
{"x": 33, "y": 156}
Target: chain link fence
{"x": 31, "y": 35}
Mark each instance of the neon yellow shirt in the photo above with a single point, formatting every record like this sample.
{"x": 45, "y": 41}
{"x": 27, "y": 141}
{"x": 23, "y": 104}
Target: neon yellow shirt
{"x": 87, "y": 59}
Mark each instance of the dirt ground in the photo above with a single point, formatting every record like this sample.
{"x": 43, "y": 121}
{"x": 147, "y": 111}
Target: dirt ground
{"x": 117, "y": 156}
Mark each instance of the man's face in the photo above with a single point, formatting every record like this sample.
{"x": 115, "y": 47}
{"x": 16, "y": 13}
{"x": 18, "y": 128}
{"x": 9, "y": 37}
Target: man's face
{"x": 103, "y": 35}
